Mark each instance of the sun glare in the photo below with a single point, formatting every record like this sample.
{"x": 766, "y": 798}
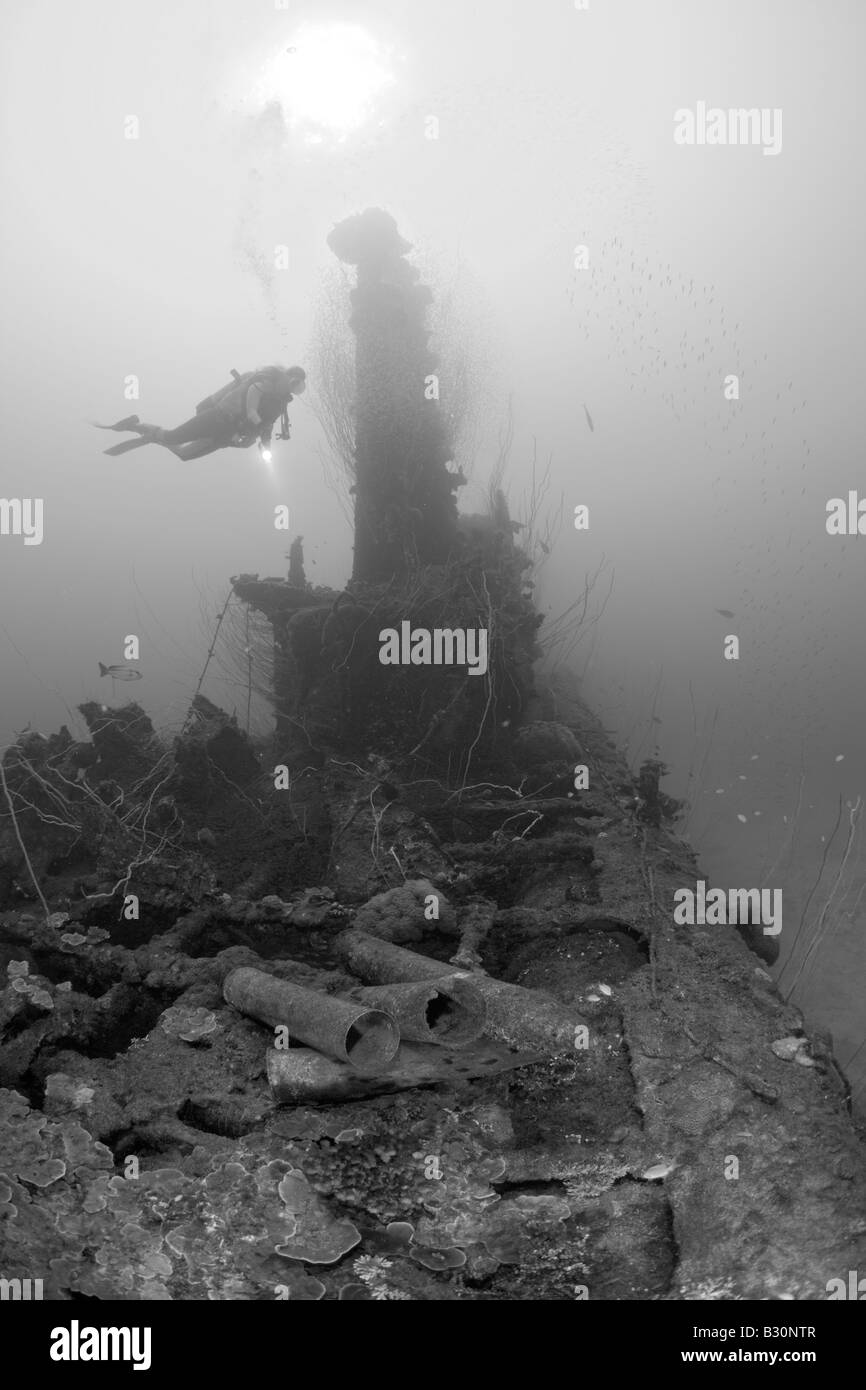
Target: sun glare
{"x": 329, "y": 78}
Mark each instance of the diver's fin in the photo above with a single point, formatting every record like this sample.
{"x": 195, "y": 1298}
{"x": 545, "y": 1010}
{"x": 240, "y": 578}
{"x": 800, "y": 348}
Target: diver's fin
{"x": 128, "y": 424}
{"x": 126, "y": 446}
{"x": 103, "y": 670}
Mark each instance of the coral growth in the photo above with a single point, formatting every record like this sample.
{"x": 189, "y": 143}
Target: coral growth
{"x": 405, "y": 913}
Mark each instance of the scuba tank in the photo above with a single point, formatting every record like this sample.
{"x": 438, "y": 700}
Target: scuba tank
{"x": 274, "y": 379}
{"x": 218, "y": 397}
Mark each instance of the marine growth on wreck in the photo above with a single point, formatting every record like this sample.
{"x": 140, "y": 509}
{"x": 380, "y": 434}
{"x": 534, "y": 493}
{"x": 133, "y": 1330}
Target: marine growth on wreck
{"x": 388, "y": 976}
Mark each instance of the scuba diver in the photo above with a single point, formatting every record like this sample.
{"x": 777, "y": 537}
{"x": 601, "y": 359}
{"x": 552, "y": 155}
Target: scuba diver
{"x": 242, "y": 413}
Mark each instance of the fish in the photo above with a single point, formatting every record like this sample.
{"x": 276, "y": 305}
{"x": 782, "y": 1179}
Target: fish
{"x": 725, "y": 612}
{"x": 120, "y": 673}
{"x": 589, "y": 419}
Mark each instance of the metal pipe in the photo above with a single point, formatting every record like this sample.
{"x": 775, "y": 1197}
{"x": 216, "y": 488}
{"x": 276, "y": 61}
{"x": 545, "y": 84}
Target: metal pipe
{"x": 521, "y": 1017}
{"x": 365, "y": 1038}
{"x": 450, "y": 1011}
{"x": 382, "y": 963}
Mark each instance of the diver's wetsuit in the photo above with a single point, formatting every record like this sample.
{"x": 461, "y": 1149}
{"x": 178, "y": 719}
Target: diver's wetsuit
{"x": 243, "y": 416}
{"x": 213, "y": 427}
{"x": 261, "y": 409}
{"x": 211, "y": 424}
{"x": 200, "y": 435}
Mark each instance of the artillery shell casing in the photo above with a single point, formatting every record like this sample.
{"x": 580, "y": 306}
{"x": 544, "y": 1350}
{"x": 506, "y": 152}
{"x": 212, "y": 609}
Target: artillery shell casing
{"x": 365, "y": 1038}
{"x": 382, "y": 963}
{"x": 301, "y": 1074}
{"x": 521, "y": 1017}
{"x": 450, "y": 1011}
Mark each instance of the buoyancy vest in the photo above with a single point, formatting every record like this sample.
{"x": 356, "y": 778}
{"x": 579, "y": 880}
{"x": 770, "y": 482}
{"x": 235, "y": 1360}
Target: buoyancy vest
{"x": 232, "y": 398}
{"x": 229, "y": 396}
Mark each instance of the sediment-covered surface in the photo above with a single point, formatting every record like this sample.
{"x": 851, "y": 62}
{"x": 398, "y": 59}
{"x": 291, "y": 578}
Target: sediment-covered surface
{"x": 693, "y": 1143}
